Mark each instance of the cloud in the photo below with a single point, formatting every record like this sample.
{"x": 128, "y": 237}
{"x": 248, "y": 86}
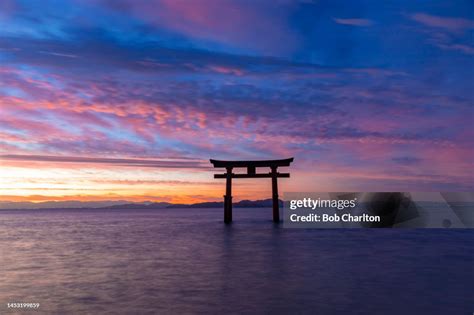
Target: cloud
{"x": 354, "y": 22}
{"x": 108, "y": 161}
{"x": 254, "y": 26}
{"x": 466, "y": 49}
{"x": 407, "y": 160}
{"x": 101, "y": 50}
{"x": 448, "y": 23}
{"x": 448, "y": 31}
{"x": 52, "y": 53}
{"x": 127, "y": 182}
{"x": 142, "y": 115}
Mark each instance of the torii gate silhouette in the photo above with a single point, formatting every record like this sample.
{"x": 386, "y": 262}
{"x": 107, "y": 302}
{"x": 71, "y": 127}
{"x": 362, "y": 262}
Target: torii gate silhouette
{"x": 251, "y": 173}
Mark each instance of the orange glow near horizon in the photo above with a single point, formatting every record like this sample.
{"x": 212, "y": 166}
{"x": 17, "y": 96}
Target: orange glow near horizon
{"x": 22, "y": 181}
{"x": 67, "y": 182}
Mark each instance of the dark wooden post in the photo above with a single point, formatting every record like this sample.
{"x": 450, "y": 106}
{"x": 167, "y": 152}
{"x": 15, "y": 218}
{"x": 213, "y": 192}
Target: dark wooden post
{"x": 228, "y": 197}
{"x": 276, "y": 206}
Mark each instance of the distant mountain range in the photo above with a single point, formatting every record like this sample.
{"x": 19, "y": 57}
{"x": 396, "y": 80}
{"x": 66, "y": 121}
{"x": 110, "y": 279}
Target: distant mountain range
{"x": 265, "y": 203}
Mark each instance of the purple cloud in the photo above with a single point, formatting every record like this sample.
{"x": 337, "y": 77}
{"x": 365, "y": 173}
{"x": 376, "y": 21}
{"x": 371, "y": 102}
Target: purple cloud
{"x": 354, "y": 22}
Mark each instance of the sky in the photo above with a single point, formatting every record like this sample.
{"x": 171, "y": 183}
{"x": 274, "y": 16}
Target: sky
{"x": 129, "y": 99}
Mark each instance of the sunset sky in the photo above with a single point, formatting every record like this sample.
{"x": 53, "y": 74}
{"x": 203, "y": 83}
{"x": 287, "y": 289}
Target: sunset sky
{"x": 128, "y": 99}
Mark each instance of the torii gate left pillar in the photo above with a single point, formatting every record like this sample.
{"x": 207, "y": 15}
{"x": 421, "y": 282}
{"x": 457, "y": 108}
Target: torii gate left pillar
{"x": 251, "y": 173}
{"x": 228, "y": 196}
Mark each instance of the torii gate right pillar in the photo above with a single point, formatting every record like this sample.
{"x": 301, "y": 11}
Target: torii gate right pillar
{"x": 276, "y": 206}
{"x": 228, "y": 197}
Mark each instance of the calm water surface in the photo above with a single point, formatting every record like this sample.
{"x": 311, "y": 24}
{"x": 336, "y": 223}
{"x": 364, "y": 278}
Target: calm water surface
{"x": 182, "y": 261}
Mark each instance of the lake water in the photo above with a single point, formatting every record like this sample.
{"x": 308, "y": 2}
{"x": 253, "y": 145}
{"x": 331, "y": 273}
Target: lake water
{"x": 183, "y": 261}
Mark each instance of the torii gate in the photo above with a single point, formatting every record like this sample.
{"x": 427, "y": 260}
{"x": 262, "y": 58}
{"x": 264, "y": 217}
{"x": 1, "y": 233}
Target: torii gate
{"x": 251, "y": 165}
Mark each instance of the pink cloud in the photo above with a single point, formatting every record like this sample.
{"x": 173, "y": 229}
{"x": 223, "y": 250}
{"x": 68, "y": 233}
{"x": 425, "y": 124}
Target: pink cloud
{"x": 227, "y": 70}
{"x": 449, "y": 23}
{"x": 249, "y": 25}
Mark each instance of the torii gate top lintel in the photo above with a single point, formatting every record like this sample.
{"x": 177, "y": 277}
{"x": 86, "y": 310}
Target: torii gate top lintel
{"x": 257, "y": 163}
{"x": 251, "y": 173}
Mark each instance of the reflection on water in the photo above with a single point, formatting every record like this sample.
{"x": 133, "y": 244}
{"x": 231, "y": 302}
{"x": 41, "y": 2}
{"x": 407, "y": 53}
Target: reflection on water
{"x": 187, "y": 261}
